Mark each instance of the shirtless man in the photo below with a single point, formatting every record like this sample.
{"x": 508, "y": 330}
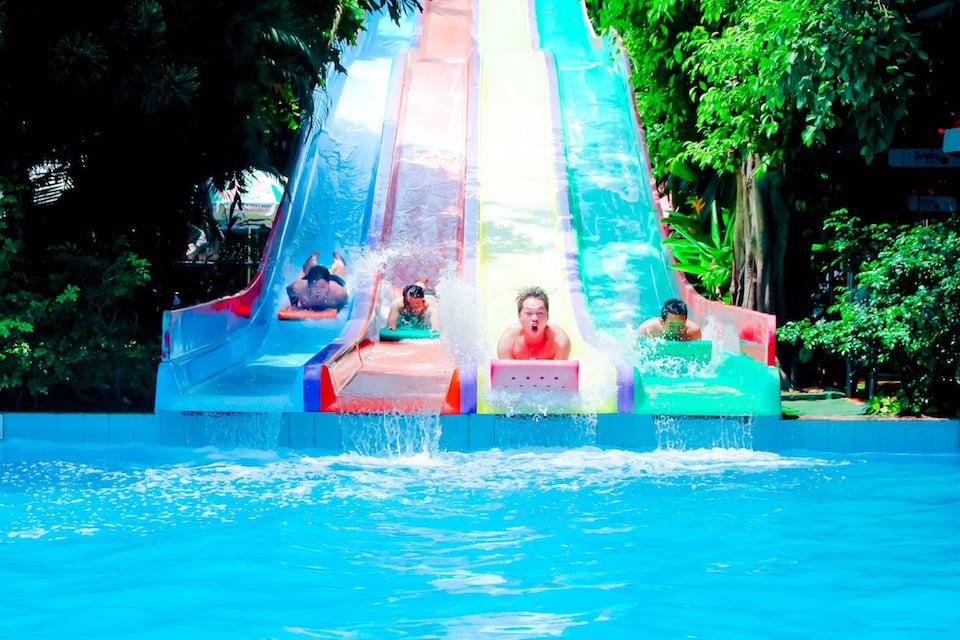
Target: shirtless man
{"x": 318, "y": 288}
{"x": 672, "y": 324}
{"x": 414, "y": 307}
{"x": 533, "y": 338}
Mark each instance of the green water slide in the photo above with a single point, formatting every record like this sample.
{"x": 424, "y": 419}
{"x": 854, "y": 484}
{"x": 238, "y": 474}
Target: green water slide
{"x": 623, "y": 266}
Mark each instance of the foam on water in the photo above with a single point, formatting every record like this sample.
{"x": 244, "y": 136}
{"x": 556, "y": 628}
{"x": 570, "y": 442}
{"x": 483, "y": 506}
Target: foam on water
{"x": 67, "y": 497}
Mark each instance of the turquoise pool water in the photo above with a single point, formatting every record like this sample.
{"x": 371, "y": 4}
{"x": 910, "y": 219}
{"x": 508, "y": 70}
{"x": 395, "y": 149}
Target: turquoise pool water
{"x": 154, "y": 542}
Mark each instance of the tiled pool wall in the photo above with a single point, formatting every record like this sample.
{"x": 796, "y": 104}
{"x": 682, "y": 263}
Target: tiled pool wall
{"x": 336, "y": 433}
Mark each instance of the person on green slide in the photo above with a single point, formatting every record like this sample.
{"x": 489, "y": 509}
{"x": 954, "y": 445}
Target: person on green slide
{"x": 673, "y": 324}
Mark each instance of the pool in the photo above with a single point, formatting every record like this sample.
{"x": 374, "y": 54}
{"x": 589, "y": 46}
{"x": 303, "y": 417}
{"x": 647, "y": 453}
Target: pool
{"x": 143, "y": 541}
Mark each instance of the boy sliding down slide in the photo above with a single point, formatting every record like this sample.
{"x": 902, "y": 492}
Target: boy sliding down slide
{"x": 415, "y": 307}
{"x": 534, "y": 338}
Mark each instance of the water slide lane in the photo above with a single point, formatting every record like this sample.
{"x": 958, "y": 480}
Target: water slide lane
{"x": 234, "y": 354}
{"x": 422, "y": 230}
{"x": 624, "y": 265}
{"x": 521, "y": 236}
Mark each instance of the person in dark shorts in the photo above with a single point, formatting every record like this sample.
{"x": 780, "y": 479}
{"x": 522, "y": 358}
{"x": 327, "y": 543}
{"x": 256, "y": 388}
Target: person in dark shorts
{"x": 319, "y": 288}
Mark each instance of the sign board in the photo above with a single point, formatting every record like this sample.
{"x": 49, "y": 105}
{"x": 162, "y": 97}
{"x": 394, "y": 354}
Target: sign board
{"x": 939, "y": 204}
{"x": 922, "y": 158}
{"x": 258, "y": 203}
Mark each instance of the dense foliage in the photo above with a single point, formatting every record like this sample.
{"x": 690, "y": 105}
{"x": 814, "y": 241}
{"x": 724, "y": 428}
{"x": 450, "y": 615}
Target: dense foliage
{"x": 742, "y": 88}
{"x": 112, "y": 114}
{"x": 720, "y": 80}
{"x": 68, "y": 330}
{"x": 901, "y": 315}
{"x": 704, "y": 251}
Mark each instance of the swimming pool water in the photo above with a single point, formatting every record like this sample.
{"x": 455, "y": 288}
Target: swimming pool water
{"x": 152, "y": 542}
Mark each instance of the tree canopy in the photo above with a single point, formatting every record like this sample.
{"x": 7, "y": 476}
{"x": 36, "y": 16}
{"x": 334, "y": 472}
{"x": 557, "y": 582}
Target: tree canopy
{"x": 745, "y": 92}
{"x": 720, "y": 80}
{"x": 113, "y": 114}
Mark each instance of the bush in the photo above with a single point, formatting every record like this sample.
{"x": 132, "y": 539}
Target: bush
{"x": 71, "y": 338}
{"x": 903, "y": 312}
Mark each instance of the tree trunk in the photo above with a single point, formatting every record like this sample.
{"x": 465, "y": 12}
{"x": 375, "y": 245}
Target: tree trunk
{"x": 760, "y": 240}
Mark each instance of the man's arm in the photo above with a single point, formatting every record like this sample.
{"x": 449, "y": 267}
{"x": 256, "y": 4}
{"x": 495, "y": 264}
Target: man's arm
{"x": 292, "y": 295}
{"x": 693, "y": 331}
{"x": 650, "y": 328}
{"x": 394, "y": 316}
{"x": 505, "y": 345}
{"x": 562, "y": 344}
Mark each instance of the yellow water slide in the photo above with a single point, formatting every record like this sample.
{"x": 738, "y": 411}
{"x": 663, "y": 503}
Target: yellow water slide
{"x": 520, "y": 240}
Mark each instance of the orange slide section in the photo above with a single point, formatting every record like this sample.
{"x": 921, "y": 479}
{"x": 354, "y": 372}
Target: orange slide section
{"x": 423, "y": 224}
{"x": 410, "y": 376}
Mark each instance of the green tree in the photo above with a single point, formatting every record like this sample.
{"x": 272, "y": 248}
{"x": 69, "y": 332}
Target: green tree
{"x": 703, "y": 247}
{"x": 111, "y": 115}
{"x": 69, "y": 336}
{"x": 135, "y": 102}
{"x": 742, "y": 87}
{"x": 902, "y": 313}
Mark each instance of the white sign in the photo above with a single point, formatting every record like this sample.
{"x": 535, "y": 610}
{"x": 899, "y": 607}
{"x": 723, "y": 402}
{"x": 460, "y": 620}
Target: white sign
{"x": 260, "y": 201}
{"x": 929, "y": 158}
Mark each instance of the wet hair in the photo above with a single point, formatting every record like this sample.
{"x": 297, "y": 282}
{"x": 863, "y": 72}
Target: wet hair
{"x": 413, "y": 290}
{"x": 675, "y": 307}
{"x": 533, "y": 292}
{"x": 317, "y": 272}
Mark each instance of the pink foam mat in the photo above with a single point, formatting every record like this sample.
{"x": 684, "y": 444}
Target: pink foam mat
{"x": 540, "y": 375}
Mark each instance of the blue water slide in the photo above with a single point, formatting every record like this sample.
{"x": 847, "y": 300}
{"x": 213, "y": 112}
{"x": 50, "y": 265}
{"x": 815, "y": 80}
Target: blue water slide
{"x": 623, "y": 264}
{"x": 234, "y": 353}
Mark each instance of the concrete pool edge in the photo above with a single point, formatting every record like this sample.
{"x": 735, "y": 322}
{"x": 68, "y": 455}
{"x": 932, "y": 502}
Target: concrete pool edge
{"x": 475, "y": 432}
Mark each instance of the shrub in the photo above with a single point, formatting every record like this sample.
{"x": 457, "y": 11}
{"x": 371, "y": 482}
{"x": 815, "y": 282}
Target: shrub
{"x": 903, "y": 313}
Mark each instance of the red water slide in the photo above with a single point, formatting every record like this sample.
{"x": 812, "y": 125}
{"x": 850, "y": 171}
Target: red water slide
{"x": 423, "y": 225}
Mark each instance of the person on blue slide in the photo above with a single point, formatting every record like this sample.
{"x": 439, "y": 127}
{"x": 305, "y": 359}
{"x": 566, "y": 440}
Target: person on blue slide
{"x": 673, "y": 324}
{"x": 318, "y": 288}
{"x": 415, "y": 307}
{"x": 533, "y": 338}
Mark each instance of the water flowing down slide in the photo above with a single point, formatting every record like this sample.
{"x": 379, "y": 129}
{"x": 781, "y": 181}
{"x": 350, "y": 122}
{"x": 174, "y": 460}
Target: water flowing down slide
{"x": 523, "y": 240}
{"x": 422, "y": 234}
{"x": 234, "y": 353}
{"x": 521, "y": 163}
{"x": 623, "y": 265}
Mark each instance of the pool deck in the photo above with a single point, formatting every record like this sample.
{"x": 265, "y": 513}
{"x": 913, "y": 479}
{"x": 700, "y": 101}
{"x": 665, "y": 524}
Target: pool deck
{"x": 814, "y": 423}
{"x": 807, "y": 404}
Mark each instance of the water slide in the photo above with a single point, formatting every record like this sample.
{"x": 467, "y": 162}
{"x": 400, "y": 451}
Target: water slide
{"x": 422, "y": 234}
{"x": 624, "y": 268}
{"x": 523, "y": 237}
{"x": 526, "y": 167}
{"x": 234, "y": 353}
